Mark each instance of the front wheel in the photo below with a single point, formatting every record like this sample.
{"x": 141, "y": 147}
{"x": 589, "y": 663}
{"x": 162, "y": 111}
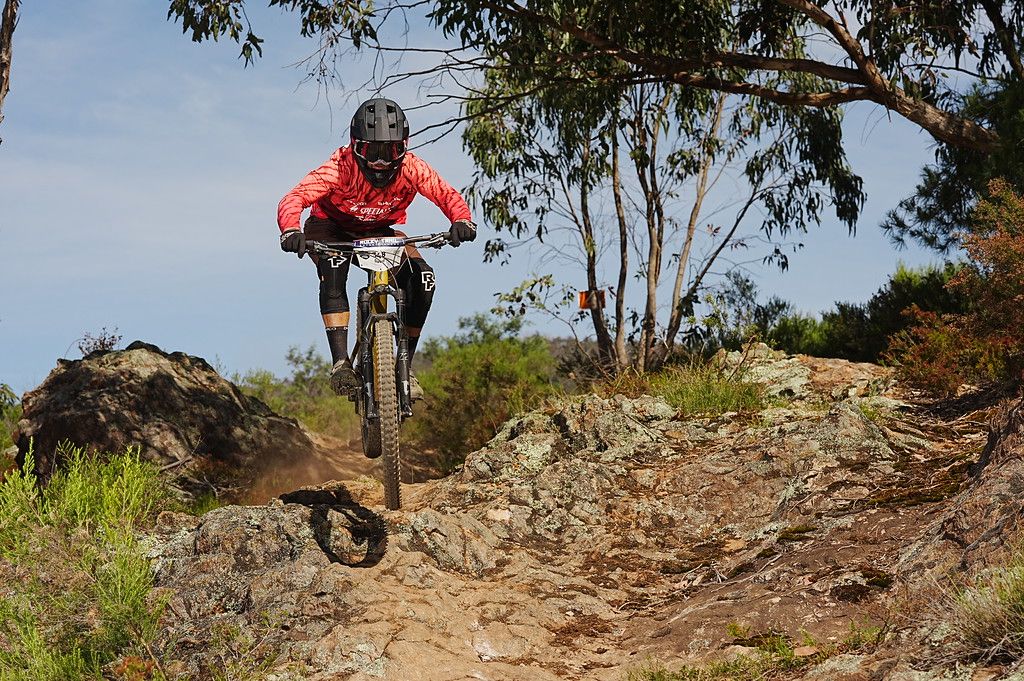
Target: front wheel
{"x": 387, "y": 406}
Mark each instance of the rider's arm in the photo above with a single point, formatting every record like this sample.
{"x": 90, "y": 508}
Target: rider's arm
{"x": 317, "y": 184}
{"x": 440, "y": 193}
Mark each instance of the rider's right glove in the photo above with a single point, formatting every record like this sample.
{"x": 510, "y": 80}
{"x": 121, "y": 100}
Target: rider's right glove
{"x": 293, "y": 241}
{"x": 462, "y": 230}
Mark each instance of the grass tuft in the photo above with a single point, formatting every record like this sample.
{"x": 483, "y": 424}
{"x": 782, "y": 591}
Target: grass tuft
{"x": 773, "y": 655}
{"x": 696, "y": 389}
{"x": 78, "y": 587}
{"x": 986, "y": 618}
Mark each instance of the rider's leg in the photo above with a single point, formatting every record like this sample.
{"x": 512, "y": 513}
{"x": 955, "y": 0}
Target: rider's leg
{"x": 334, "y": 308}
{"x": 416, "y": 279}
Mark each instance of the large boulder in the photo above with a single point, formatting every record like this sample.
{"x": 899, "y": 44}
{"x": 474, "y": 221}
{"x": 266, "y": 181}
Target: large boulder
{"x": 181, "y": 414}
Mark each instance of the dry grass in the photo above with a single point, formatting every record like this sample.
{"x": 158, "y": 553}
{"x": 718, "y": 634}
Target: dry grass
{"x": 986, "y": 617}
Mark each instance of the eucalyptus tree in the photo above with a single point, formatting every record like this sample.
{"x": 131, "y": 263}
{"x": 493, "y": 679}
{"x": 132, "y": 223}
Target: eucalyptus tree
{"x": 603, "y": 173}
{"x": 941, "y": 65}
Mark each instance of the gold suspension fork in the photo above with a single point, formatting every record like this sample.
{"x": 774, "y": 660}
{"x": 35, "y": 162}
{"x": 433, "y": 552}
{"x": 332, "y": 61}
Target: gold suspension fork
{"x": 378, "y": 305}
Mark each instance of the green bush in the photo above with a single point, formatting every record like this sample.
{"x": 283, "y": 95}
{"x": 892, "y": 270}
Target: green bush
{"x": 83, "y": 593}
{"x": 863, "y": 332}
{"x": 304, "y": 395}
{"x": 477, "y": 380}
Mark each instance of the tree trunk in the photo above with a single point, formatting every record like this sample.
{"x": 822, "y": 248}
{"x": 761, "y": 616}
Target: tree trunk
{"x": 675, "y": 319}
{"x": 620, "y": 292}
{"x": 8, "y": 21}
{"x": 605, "y": 348}
{"x": 647, "y": 326}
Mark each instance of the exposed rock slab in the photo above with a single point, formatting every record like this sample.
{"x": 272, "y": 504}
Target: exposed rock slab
{"x": 591, "y": 535}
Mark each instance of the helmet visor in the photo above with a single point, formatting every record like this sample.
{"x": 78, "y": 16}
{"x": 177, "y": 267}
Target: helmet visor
{"x": 379, "y": 155}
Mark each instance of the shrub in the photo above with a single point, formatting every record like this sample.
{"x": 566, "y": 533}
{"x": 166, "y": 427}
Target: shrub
{"x": 986, "y": 618}
{"x": 304, "y": 395}
{"x": 862, "y": 332}
{"x": 477, "y": 380}
{"x": 799, "y": 333}
{"x": 986, "y": 341}
{"x": 99, "y": 342}
{"x": 82, "y": 597}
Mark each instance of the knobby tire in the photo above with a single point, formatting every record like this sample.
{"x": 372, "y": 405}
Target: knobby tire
{"x": 387, "y": 407}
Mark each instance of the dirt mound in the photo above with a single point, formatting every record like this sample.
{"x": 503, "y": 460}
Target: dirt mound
{"x": 591, "y": 536}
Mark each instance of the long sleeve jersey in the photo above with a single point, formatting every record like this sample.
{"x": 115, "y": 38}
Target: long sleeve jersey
{"x": 337, "y": 190}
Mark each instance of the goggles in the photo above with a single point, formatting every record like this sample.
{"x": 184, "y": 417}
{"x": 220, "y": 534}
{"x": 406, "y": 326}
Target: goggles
{"x": 379, "y": 155}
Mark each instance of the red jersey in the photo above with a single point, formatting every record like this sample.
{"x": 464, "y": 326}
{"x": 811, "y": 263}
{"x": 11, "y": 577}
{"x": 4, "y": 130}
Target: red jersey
{"x": 337, "y": 190}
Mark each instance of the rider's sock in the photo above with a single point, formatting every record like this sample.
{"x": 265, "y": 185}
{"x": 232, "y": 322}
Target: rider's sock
{"x": 337, "y": 339}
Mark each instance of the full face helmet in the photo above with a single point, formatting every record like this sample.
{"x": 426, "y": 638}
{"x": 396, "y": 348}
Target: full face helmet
{"x": 380, "y": 137}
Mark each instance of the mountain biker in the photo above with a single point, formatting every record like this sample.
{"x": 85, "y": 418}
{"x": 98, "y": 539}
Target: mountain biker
{"x": 363, "y": 190}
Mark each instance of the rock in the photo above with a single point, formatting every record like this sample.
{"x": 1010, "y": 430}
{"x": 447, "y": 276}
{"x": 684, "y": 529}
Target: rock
{"x": 198, "y": 427}
{"x": 9, "y": 457}
{"x": 801, "y": 377}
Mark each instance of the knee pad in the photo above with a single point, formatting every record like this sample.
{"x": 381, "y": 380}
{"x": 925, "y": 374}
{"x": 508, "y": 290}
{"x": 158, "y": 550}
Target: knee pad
{"x": 333, "y": 276}
{"x": 417, "y": 280}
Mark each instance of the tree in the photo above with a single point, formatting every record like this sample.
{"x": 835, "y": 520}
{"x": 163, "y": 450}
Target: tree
{"x": 893, "y": 54}
{"x": 942, "y": 203}
{"x": 627, "y": 171}
{"x": 8, "y": 21}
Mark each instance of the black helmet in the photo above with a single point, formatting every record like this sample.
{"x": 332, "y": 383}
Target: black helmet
{"x": 380, "y": 136}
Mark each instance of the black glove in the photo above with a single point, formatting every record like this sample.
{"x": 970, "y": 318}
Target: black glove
{"x": 462, "y": 230}
{"x": 293, "y": 241}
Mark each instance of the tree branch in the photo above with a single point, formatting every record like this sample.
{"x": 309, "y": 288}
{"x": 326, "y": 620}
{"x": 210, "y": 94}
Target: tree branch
{"x": 8, "y": 21}
{"x": 871, "y": 84}
{"x": 994, "y": 11}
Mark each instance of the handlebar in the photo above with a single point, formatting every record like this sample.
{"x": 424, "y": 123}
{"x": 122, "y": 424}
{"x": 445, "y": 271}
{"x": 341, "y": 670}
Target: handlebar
{"x": 436, "y": 240}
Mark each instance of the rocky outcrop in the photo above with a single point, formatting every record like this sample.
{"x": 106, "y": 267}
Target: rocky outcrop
{"x": 590, "y": 536}
{"x": 182, "y": 415}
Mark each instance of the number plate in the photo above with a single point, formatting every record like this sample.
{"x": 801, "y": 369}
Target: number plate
{"x": 379, "y": 254}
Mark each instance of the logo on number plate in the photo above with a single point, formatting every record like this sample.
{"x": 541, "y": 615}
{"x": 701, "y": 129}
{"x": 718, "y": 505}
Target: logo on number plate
{"x": 428, "y": 281}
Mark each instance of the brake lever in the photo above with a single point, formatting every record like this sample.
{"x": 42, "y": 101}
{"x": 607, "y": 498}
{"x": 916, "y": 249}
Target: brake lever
{"x": 437, "y": 241}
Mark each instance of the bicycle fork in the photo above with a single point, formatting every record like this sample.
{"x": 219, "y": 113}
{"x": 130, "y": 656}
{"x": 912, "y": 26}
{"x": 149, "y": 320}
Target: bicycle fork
{"x": 373, "y": 306}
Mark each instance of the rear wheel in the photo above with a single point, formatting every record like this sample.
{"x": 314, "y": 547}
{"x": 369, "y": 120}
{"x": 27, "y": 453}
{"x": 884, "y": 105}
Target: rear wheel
{"x": 387, "y": 406}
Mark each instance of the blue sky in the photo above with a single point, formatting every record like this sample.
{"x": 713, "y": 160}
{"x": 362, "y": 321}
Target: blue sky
{"x": 140, "y": 174}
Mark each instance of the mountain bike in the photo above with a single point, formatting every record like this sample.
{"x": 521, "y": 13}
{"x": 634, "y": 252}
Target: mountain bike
{"x": 380, "y": 354}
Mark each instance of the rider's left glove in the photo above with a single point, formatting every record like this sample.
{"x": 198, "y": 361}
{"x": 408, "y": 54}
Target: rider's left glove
{"x": 462, "y": 230}
{"x": 293, "y": 241}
